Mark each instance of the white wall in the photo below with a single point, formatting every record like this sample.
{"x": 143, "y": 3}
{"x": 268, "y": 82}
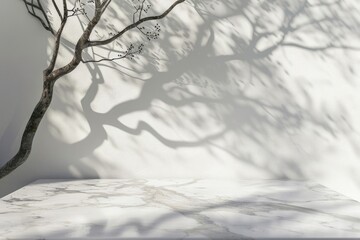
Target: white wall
{"x": 197, "y": 103}
{"x": 22, "y": 58}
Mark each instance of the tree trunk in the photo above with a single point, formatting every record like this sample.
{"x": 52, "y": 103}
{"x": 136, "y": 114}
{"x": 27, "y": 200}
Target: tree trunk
{"x": 30, "y": 129}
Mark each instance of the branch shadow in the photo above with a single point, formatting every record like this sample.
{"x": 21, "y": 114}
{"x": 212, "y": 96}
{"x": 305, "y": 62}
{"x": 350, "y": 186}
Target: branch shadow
{"x": 222, "y": 83}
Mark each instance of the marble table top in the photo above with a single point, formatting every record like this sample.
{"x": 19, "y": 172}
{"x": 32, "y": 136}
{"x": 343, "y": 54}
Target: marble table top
{"x": 177, "y": 209}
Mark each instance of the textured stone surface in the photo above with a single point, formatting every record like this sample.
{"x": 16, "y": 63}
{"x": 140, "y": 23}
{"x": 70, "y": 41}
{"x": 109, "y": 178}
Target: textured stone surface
{"x": 186, "y": 208}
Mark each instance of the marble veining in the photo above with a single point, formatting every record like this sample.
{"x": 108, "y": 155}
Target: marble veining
{"x": 177, "y": 209}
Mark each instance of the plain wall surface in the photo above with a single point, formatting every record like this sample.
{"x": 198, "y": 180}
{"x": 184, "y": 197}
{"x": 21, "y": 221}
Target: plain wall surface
{"x": 210, "y": 98}
{"x": 22, "y": 58}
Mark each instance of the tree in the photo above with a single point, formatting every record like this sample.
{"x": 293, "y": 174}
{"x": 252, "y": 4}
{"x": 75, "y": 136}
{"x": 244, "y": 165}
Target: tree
{"x": 51, "y": 74}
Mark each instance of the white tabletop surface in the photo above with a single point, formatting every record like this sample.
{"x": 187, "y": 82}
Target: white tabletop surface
{"x": 177, "y": 209}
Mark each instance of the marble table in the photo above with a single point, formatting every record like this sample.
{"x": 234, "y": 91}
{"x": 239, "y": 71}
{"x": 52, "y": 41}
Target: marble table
{"x": 177, "y": 209}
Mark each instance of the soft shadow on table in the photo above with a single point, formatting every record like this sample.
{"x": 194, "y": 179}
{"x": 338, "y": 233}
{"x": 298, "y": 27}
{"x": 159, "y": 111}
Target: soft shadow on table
{"x": 226, "y": 84}
{"x": 289, "y": 210}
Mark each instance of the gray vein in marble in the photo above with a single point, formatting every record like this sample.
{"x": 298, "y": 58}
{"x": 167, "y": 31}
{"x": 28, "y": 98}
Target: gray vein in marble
{"x": 176, "y": 209}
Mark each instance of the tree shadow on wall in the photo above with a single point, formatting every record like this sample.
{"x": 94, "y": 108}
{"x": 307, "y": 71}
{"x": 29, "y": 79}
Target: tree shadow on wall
{"x": 228, "y": 84}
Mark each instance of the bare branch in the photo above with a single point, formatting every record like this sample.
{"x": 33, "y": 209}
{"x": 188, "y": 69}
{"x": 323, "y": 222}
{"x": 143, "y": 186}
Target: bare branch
{"x": 57, "y": 9}
{"x": 129, "y": 53}
{"x": 77, "y": 10}
{"x": 105, "y": 4}
{"x": 131, "y": 26}
{"x": 141, "y": 8}
{"x": 80, "y": 45}
{"x": 43, "y": 12}
{"x": 30, "y": 6}
{"x": 51, "y": 66}
{"x": 50, "y": 75}
{"x": 134, "y": 14}
{"x": 104, "y": 59}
